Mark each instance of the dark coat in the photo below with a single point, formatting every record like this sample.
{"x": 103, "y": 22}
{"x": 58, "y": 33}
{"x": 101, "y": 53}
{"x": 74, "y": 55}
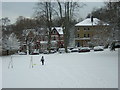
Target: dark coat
{"x": 42, "y": 59}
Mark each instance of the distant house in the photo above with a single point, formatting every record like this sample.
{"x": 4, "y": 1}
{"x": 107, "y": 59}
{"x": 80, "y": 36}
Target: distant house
{"x": 57, "y": 36}
{"x": 89, "y": 31}
{"x": 37, "y": 39}
{"x": 57, "y": 40}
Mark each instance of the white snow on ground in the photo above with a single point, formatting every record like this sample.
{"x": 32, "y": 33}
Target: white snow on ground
{"x": 0, "y": 73}
{"x": 72, "y": 70}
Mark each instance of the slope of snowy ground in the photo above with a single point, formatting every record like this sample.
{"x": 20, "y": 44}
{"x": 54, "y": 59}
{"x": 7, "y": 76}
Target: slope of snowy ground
{"x": 0, "y": 73}
{"x": 72, "y": 70}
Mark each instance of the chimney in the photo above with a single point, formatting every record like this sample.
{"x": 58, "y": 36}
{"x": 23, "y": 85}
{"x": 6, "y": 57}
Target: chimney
{"x": 92, "y": 19}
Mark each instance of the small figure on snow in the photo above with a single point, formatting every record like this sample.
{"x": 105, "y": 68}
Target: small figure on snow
{"x": 113, "y": 46}
{"x": 42, "y": 60}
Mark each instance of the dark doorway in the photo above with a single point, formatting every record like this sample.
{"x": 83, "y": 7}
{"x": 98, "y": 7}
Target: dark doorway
{"x": 78, "y": 44}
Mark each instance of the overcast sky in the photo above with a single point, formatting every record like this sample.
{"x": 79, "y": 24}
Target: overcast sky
{"x": 16, "y": 9}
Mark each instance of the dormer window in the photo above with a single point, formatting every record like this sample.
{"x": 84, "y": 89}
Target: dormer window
{"x": 54, "y": 32}
{"x": 59, "y": 30}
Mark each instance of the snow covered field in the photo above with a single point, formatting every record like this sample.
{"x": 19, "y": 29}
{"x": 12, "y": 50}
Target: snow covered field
{"x": 72, "y": 70}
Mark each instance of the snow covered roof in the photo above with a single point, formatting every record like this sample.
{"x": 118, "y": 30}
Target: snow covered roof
{"x": 82, "y": 38}
{"x": 53, "y": 41}
{"x": 41, "y": 31}
{"x": 43, "y": 42}
{"x": 27, "y": 31}
{"x": 59, "y": 30}
{"x": 87, "y": 22}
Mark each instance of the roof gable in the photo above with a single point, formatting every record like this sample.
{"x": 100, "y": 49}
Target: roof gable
{"x": 87, "y": 22}
{"x": 58, "y": 29}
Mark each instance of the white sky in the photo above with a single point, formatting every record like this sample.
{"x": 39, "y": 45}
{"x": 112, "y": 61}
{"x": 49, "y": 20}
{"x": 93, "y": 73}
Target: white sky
{"x": 16, "y": 9}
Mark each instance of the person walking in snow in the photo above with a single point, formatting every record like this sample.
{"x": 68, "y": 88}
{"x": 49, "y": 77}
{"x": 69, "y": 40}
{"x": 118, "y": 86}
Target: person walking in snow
{"x": 42, "y": 60}
{"x": 113, "y": 46}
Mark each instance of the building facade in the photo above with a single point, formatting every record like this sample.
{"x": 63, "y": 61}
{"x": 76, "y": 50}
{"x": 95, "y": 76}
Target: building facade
{"x": 38, "y": 39}
{"x": 89, "y": 31}
{"x": 57, "y": 36}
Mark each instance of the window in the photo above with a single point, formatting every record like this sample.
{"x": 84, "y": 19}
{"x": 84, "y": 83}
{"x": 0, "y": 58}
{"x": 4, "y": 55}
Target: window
{"x": 43, "y": 39}
{"x": 54, "y": 32}
{"x": 78, "y": 35}
{"x": 86, "y": 28}
{"x": 61, "y": 45}
{"x": 78, "y": 44}
{"x": 54, "y": 38}
{"x": 88, "y": 35}
{"x": 84, "y": 35}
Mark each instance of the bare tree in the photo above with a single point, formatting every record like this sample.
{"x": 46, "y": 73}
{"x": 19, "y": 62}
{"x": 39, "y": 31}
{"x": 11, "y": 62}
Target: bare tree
{"x": 67, "y": 13}
{"x": 110, "y": 14}
{"x": 46, "y": 10}
{"x": 63, "y": 10}
{"x": 5, "y": 22}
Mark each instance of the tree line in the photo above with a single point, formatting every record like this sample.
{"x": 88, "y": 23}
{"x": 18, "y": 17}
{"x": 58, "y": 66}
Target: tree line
{"x": 110, "y": 14}
{"x": 49, "y": 14}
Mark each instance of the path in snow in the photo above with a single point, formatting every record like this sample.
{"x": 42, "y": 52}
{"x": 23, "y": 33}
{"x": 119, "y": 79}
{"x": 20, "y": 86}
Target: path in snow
{"x": 73, "y": 70}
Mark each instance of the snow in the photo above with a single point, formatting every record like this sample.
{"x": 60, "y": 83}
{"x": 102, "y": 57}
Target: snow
{"x": 59, "y": 30}
{"x": 53, "y": 41}
{"x": 43, "y": 42}
{"x": 82, "y": 48}
{"x": 67, "y": 70}
{"x": 11, "y": 42}
{"x": 36, "y": 51}
{"x": 87, "y": 22}
{"x": 82, "y": 38}
{"x": 21, "y": 53}
{"x": 75, "y": 49}
{"x": 27, "y": 31}
{"x": 98, "y": 47}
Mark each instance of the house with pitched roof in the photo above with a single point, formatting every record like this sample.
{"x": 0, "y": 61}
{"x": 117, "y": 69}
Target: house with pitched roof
{"x": 57, "y": 36}
{"x": 90, "y": 30}
{"x": 57, "y": 40}
{"x": 37, "y": 39}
